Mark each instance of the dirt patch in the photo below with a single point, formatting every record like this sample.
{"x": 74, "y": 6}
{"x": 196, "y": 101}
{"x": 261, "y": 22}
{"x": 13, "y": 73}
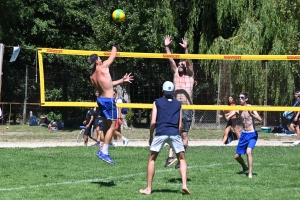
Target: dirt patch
{"x": 134, "y": 143}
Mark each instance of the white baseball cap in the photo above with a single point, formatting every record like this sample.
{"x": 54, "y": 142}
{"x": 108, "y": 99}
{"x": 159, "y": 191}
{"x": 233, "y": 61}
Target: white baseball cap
{"x": 168, "y": 88}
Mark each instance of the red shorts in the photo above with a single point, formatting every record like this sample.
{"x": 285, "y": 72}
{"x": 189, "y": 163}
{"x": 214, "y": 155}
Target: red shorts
{"x": 118, "y": 123}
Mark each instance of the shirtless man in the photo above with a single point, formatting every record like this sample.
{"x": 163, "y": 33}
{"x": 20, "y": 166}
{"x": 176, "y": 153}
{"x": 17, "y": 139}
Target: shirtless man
{"x": 101, "y": 80}
{"x": 248, "y": 137}
{"x": 183, "y": 81}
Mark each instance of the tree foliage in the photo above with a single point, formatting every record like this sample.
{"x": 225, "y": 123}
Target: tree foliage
{"x": 261, "y": 28}
{"x": 211, "y": 26}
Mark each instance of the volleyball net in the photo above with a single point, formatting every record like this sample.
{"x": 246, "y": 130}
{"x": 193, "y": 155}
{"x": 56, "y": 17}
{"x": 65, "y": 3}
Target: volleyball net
{"x": 64, "y": 80}
{"x": 62, "y": 85}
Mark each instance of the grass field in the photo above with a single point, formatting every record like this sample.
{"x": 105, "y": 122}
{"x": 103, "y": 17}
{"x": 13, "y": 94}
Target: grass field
{"x": 76, "y": 173}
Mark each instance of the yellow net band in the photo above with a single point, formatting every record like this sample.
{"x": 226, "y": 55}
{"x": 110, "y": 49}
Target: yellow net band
{"x": 174, "y": 56}
{"x": 184, "y": 107}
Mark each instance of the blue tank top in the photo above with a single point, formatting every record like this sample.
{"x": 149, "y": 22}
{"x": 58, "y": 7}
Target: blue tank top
{"x": 168, "y": 114}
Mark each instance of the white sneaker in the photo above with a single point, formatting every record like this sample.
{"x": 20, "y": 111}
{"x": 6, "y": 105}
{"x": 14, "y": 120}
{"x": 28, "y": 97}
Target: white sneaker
{"x": 115, "y": 144}
{"x": 125, "y": 142}
{"x": 297, "y": 142}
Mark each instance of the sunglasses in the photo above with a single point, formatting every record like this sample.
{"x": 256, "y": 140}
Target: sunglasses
{"x": 241, "y": 97}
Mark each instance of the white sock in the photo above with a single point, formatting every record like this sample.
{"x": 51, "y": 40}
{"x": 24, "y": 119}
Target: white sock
{"x": 123, "y": 138}
{"x": 105, "y": 149}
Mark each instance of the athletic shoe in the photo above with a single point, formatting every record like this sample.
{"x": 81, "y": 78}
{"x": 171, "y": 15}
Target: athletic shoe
{"x": 125, "y": 142}
{"x": 170, "y": 161}
{"x": 115, "y": 144}
{"x": 177, "y": 166}
{"x": 105, "y": 158}
{"x": 98, "y": 154}
{"x": 111, "y": 145}
{"x": 243, "y": 171}
{"x": 297, "y": 142}
{"x": 96, "y": 144}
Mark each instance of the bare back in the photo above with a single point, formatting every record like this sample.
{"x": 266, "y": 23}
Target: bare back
{"x": 247, "y": 121}
{"x": 102, "y": 81}
{"x": 183, "y": 88}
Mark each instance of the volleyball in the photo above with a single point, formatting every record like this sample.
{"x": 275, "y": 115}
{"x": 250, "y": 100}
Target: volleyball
{"x": 118, "y": 15}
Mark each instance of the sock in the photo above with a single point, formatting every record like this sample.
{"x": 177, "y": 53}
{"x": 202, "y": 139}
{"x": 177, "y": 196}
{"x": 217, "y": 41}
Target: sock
{"x": 123, "y": 138}
{"x": 105, "y": 149}
{"x": 115, "y": 140}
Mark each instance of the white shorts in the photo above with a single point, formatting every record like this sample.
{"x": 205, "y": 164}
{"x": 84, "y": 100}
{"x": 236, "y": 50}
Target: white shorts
{"x": 174, "y": 141}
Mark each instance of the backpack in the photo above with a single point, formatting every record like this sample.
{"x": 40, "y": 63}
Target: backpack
{"x": 280, "y": 129}
{"x": 289, "y": 115}
{"x": 33, "y": 121}
{"x": 231, "y": 136}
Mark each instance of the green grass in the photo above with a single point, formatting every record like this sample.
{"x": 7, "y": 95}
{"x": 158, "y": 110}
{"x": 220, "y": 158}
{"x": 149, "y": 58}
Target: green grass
{"x": 76, "y": 173}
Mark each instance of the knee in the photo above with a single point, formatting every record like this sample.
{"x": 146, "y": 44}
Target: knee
{"x": 237, "y": 156}
{"x": 181, "y": 155}
{"x": 249, "y": 153}
{"x": 184, "y": 135}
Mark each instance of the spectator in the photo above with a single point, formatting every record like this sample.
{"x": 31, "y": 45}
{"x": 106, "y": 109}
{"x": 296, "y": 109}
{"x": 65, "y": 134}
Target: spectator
{"x": 88, "y": 122}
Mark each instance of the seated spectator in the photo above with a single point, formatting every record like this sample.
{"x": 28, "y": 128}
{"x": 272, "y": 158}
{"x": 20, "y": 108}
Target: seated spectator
{"x": 44, "y": 121}
{"x": 53, "y": 125}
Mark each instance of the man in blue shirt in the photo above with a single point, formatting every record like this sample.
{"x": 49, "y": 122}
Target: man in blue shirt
{"x": 167, "y": 120}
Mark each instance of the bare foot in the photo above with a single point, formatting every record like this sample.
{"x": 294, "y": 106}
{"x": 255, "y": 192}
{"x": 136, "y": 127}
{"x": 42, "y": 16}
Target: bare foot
{"x": 186, "y": 191}
{"x": 145, "y": 191}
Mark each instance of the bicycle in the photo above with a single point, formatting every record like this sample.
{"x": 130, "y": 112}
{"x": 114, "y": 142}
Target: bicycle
{"x": 80, "y": 135}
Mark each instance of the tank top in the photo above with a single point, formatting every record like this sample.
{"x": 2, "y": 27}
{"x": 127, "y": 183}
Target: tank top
{"x": 168, "y": 114}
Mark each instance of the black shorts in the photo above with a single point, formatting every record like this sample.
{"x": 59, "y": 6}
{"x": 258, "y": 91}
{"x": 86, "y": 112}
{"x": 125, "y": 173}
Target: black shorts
{"x": 88, "y": 131}
{"x": 98, "y": 122}
{"x": 187, "y": 118}
{"x": 232, "y": 122}
{"x": 296, "y": 123}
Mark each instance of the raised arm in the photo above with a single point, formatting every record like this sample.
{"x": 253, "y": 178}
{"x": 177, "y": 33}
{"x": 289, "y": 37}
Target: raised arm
{"x": 126, "y": 78}
{"x": 189, "y": 65}
{"x": 111, "y": 58}
{"x": 167, "y": 45}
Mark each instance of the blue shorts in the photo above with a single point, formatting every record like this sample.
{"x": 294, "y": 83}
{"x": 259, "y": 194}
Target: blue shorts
{"x": 247, "y": 140}
{"x": 107, "y": 108}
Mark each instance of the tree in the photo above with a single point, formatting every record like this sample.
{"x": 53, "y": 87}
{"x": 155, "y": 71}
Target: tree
{"x": 255, "y": 27}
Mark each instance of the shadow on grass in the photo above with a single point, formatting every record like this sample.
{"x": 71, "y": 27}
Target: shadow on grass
{"x": 288, "y": 142}
{"x": 166, "y": 191}
{"x": 105, "y": 184}
{"x": 177, "y": 180}
{"x": 246, "y": 174}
